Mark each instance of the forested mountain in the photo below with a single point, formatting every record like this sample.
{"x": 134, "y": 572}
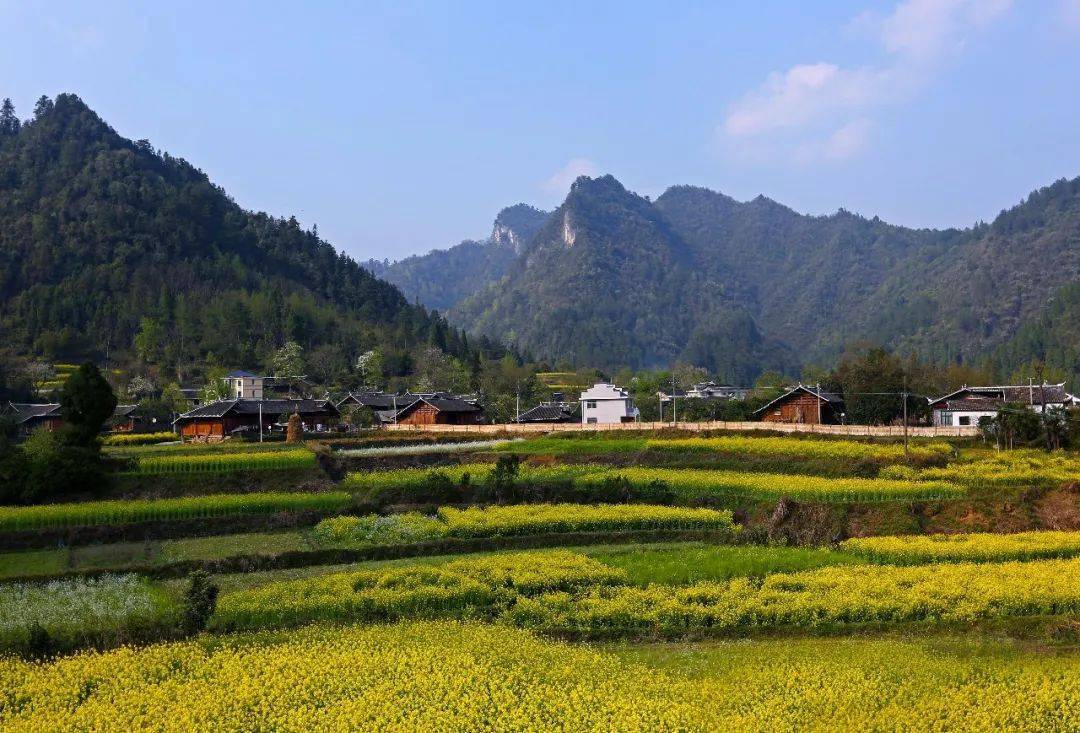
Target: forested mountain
{"x": 106, "y": 244}
{"x": 444, "y": 277}
{"x": 613, "y": 279}
{"x": 607, "y": 281}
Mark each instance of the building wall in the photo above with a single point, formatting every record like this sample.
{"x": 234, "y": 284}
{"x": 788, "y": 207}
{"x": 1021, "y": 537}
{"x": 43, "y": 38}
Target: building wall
{"x": 607, "y": 411}
{"x": 800, "y": 408}
{"x": 427, "y": 415}
{"x": 951, "y": 418}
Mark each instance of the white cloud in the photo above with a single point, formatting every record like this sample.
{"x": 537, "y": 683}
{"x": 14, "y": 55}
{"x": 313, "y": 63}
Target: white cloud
{"x": 823, "y": 109}
{"x": 802, "y": 95}
{"x": 559, "y": 182}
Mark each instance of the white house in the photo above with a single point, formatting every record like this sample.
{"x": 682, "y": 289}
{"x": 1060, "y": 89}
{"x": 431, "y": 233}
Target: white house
{"x": 244, "y": 385}
{"x": 966, "y": 405}
{"x": 605, "y": 403}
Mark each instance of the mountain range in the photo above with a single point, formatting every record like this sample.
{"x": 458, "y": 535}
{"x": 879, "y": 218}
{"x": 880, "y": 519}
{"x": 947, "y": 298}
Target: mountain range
{"x": 110, "y": 247}
{"x": 611, "y": 278}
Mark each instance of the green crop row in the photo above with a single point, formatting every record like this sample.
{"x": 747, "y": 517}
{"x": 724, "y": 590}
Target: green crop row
{"x": 476, "y": 587}
{"x": 562, "y": 592}
{"x": 739, "y": 445}
{"x": 90, "y": 513}
{"x": 978, "y": 547}
{"x": 522, "y": 519}
{"x": 224, "y": 462}
{"x": 688, "y": 484}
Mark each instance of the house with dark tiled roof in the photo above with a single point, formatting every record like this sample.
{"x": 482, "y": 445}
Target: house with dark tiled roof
{"x": 966, "y": 405}
{"x": 804, "y": 405}
{"x": 549, "y": 412}
{"x": 30, "y": 417}
{"x": 225, "y": 418}
{"x": 440, "y": 409}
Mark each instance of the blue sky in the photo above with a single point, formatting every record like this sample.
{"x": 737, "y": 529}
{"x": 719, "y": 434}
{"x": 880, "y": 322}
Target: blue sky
{"x": 399, "y": 127}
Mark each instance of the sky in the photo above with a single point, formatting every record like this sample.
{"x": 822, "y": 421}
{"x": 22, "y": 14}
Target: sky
{"x": 400, "y": 127}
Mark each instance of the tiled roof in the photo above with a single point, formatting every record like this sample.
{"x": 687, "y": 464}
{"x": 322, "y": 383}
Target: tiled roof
{"x": 251, "y": 407}
{"x": 25, "y": 411}
{"x": 546, "y": 413}
{"x": 124, "y": 410}
{"x": 1027, "y": 394}
{"x": 240, "y": 373}
{"x": 830, "y": 397}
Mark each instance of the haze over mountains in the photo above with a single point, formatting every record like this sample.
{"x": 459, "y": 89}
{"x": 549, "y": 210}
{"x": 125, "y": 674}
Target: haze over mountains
{"x": 611, "y": 278}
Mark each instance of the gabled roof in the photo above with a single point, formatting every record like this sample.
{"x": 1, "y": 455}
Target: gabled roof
{"x": 241, "y": 373}
{"x": 377, "y": 400}
{"x": 830, "y": 397}
{"x": 221, "y": 408}
{"x": 1028, "y": 394}
{"x": 546, "y": 412}
{"x": 442, "y": 403}
{"x": 125, "y": 410}
{"x": 23, "y": 411}
{"x": 605, "y": 391}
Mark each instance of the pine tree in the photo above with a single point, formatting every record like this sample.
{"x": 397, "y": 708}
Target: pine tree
{"x": 9, "y": 122}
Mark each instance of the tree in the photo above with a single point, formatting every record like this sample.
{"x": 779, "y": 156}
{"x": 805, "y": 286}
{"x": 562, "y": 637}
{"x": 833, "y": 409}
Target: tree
{"x": 215, "y": 387}
{"x": 327, "y": 364}
{"x": 43, "y": 107}
{"x": 139, "y": 388}
{"x": 148, "y": 340}
{"x": 288, "y": 361}
{"x": 872, "y": 380}
{"x": 9, "y": 122}
{"x": 438, "y": 372}
{"x": 369, "y": 368}
{"x": 87, "y": 402}
{"x": 1015, "y": 423}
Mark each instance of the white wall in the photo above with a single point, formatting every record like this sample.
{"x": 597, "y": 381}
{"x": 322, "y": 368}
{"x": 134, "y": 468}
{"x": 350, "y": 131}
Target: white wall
{"x": 605, "y": 403}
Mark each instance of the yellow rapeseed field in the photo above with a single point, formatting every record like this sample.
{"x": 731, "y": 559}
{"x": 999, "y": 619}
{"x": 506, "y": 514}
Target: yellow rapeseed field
{"x": 977, "y": 547}
{"x": 449, "y": 677}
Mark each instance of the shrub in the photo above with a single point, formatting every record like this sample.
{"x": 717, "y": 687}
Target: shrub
{"x": 200, "y": 600}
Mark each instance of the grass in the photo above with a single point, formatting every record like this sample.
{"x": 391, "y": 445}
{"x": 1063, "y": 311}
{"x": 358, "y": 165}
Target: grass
{"x": 126, "y": 555}
{"x": 694, "y": 562}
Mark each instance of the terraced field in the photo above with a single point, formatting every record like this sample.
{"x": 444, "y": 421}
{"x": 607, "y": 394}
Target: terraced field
{"x": 370, "y": 602}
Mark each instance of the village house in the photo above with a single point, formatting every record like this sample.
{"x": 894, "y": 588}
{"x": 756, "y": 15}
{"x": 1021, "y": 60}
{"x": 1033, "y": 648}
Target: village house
{"x": 226, "y": 418}
{"x": 804, "y": 405}
{"x": 604, "y": 403}
{"x": 439, "y": 409}
{"x": 549, "y": 412}
{"x": 31, "y": 417}
{"x": 966, "y": 405}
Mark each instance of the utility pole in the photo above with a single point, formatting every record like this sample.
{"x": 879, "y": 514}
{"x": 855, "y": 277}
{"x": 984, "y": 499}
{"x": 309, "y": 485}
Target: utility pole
{"x": 905, "y": 419}
{"x": 818, "y": 395}
{"x": 260, "y": 422}
{"x": 395, "y": 408}
{"x": 674, "y": 419}
{"x": 517, "y": 403}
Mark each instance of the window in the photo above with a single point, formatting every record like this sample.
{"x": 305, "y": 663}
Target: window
{"x": 591, "y": 420}
{"x": 965, "y": 420}
{"x": 946, "y": 418}
{"x": 630, "y": 404}
{"x": 591, "y": 405}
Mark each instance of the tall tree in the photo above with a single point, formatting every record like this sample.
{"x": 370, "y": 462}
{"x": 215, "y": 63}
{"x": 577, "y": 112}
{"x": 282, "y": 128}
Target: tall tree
{"x": 9, "y": 122}
{"x": 87, "y": 402}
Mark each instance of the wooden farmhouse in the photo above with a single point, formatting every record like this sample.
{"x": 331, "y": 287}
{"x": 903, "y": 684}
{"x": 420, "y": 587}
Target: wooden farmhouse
{"x": 804, "y": 405}
{"x": 225, "y": 418}
{"x": 31, "y": 417}
{"x": 440, "y": 410}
